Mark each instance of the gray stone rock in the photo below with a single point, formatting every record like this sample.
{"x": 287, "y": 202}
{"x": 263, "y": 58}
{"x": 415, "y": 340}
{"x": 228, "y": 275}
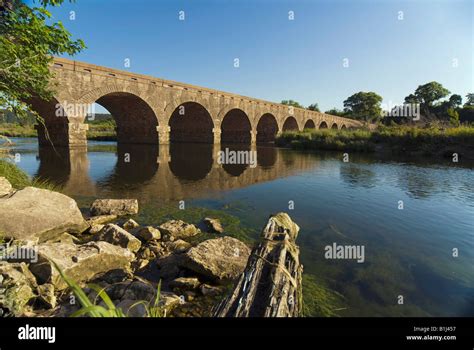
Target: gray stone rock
{"x": 16, "y": 287}
{"x": 220, "y": 259}
{"x": 148, "y": 233}
{"x": 130, "y": 224}
{"x": 208, "y": 290}
{"x": 101, "y": 219}
{"x": 95, "y": 229}
{"x": 38, "y": 215}
{"x": 213, "y": 225}
{"x": 114, "y": 207}
{"x": 80, "y": 263}
{"x": 5, "y": 187}
{"x": 178, "y": 246}
{"x": 46, "y": 295}
{"x": 116, "y": 235}
{"x": 185, "y": 283}
{"x": 178, "y": 229}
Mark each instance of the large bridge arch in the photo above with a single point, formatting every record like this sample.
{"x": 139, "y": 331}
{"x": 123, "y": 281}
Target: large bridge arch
{"x": 323, "y": 125}
{"x": 236, "y": 127}
{"x": 290, "y": 124}
{"x": 267, "y": 128}
{"x": 309, "y": 124}
{"x": 191, "y": 122}
{"x": 334, "y": 126}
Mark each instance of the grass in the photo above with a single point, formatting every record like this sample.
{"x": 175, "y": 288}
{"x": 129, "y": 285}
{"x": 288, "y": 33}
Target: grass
{"x": 17, "y": 130}
{"x": 426, "y": 140}
{"x": 19, "y": 179}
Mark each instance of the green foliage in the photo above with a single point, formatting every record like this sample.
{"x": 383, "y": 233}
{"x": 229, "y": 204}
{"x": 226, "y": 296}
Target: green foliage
{"x": 453, "y": 116}
{"x": 455, "y": 101}
{"x": 364, "y": 106}
{"x": 335, "y": 111}
{"x": 291, "y": 103}
{"x": 314, "y": 107}
{"x": 400, "y": 138}
{"x": 469, "y": 100}
{"x": 428, "y": 93}
{"x": 27, "y": 44}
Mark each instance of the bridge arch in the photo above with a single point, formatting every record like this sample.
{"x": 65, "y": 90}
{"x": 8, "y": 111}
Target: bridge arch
{"x": 135, "y": 118}
{"x": 334, "y": 126}
{"x": 236, "y": 127}
{"x": 290, "y": 124}
{"x": 191, "y": 122}
{"x": 343, "y": 127}
{"x": 309, "y": 124}
{"x": 267, "y": 128}
{"x": 323, "y": 125}
{"x": 56, "y": 119}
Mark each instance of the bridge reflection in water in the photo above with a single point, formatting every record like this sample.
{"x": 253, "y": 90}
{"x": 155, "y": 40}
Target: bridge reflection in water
{"x": 168, "y": 172}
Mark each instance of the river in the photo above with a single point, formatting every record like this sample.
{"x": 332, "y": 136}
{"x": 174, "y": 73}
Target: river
{"x": 415, "y": 219}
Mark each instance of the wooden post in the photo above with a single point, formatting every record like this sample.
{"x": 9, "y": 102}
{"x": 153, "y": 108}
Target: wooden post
{"x": 270, "y": 285}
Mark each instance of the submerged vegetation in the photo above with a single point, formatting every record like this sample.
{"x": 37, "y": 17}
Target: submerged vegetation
{"x": 432, "y": 140}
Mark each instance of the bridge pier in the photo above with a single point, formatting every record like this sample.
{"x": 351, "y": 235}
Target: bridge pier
{"x": 63, "y": 134}
{"x": 163, "y": 134}
{"x": 217, "y": 135}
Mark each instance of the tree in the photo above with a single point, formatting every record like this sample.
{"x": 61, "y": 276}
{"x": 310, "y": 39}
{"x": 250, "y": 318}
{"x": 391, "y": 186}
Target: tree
{"x": 27, "y": 47}
{"x": 335, "y": 111}
{"x": 314, "y": 107}
{"x": 469, "y": 100}
{"x": 455, "y": 101}
{"x": 364, "y": 106}
{"x": 429, "y": 93}
{"x": 291, "y": 103}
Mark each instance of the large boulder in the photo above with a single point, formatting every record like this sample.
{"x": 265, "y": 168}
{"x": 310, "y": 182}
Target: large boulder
{"x": 148, "y": 233}
{"x": 34, "y": 214}
{"x": 178, "y": 229}
{"x": 80, "y": 263}
{"x": 116, "y": 235}
{"x": 17, "y": 286}
{"x": 114, "y": 207}
{"x": 221, "y": 259}
{"x": 5, "y": 187}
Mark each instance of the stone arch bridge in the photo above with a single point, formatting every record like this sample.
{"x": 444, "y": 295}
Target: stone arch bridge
{"x": 150, "y": 110}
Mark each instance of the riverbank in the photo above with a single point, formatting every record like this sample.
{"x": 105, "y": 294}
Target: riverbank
{"x": 103, "y": 131}
{"x": 430, "y": 141}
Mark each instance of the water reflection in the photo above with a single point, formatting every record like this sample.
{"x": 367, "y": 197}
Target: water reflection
{"x": 166, "y": 172}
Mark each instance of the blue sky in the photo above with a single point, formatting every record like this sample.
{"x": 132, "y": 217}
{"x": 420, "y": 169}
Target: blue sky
{"x": 282, "y": 59}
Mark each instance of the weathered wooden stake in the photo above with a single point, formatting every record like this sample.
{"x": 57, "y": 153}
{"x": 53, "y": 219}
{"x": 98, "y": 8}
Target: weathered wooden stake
{"x": 270, "y": 285}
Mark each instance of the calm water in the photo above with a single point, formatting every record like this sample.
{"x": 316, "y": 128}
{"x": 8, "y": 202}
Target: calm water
{"x": 408, "y": 252}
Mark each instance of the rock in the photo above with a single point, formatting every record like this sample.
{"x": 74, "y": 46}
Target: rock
{"x": 65, "y": 238}
{"x": 130, "y": 224}
{"x": 213, "y": 225}
{"x": 116, "y": 235}
{"x": 16, "y": 287}
{"x": 46, "y": 295}
{"x": 185, "y": 283}
{"x": 220, "y": 259}
{"x": 35, "y": 214}
{"x": 178, "y": 229}
{"x": 170, "y": 300}
{"x": 95, "y": 229}
{"x": 80, "y": 263}
{"x": 114, "y": 207}
{"x": 178, "y": 246}
{"x": 189, "y": 295}
{"x": 208, "y": 290}
{"x": 169, "y": 266}
{"x": 5, "y": 187}
{"x": 132, "y": 290}
{"x": 131, "y": 308}
{"x": 101, "y": 219}
{"x": 148, "y": 233}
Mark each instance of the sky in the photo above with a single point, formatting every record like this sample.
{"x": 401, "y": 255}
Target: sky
{"x": 329, "y": 51}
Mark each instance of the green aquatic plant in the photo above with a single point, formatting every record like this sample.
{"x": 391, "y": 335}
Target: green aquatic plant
{"x": 320, "y": 301}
